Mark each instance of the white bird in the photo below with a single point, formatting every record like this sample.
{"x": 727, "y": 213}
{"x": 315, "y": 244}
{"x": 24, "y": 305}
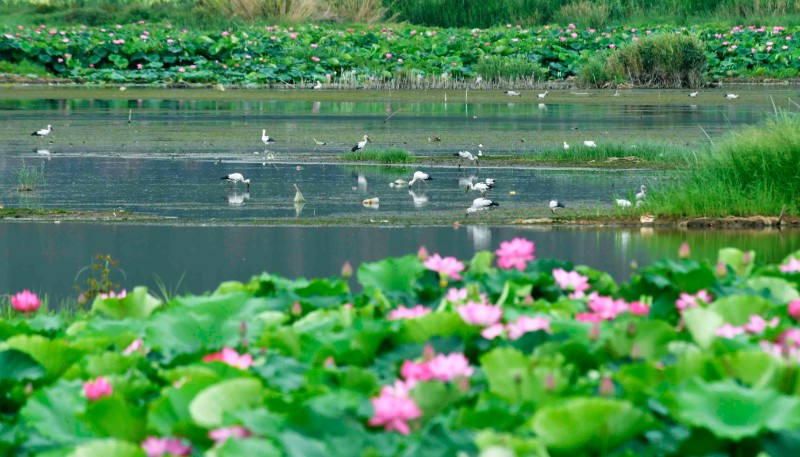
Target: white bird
{"x": 642, "y": 193}
{"x": 266, "y": 138}
{"x": 731, "y": 96}
{"x": 555, "y": 206}
{"x": 623, "y": 203}
{"x": 465, "y": 155}
{"x": 359, "y": 147}
{"x": 480, "y": 187}
{"x": 319, "y": 143}
{"x": 419, "y": 176}
{"x": 234, "y": 178}
{"x": 589, "y": 144}
{"x": 693, "y": 94}
{"x": 542, "y": 96}
{"x": 490, "y": 182}
{"x": 374, "y": 201}
{"x": 480, "y": 204}
{"x": 566, "y": 146}
{"x": 298, "y": 197}
{"x": 318, "y": 85}
{"x": 43, "y": 132}
{"x": 511, "y": 93}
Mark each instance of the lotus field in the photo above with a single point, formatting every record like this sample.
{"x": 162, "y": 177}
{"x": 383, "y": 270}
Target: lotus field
{"x": 145, "y": 53}
{"x": 499, "y": 356}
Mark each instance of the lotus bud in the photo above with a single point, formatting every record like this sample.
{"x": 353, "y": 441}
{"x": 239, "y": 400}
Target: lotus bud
{"x": 550, "y": 382}
{"x": 422, "y": 254}
{"x": 428, "y": 353}
{"x": 297, "y": 308}
{"x": 528, "y": 300}
{"x": 636, "y": 351}
{"x": 746, "y": 257}
{"x": 722, "y": 270}
{"x": 243, "y": 328}
{"x": 794, "y": 309}
{"x": 347, "y": 270}
{"x": 463, "y": 384}
{"x": 684, "y": 251}
{"x": 606, "y": 386}
{"x": 594, "y": 333}
{"x": 330, "y": 362}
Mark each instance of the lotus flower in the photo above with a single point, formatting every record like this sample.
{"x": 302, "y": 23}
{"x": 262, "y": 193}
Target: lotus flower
{"x": 220, "y": 435}
{"x": 450, "y": 367}
{"x": 408, "y": 313}
{"x": 230, "y": 357}
{"x": 515, "y": 254}
{"x": 156, "y": 447}
{"x": 448, "y": 266}
{"x": 571, "y": 282}
{"x": 25, "y": 301}
{"x": 97, "y": 389}
{"x": 393, "y": 409}
{"x": 480, "y": 314}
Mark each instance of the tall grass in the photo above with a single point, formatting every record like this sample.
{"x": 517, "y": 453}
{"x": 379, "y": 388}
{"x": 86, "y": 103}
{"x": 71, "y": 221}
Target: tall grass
{"x": 29, "y": 178}
{"x": 496, "y": 68}
{"x": 390, "y": 156}
{"x": 664, "y": 60}
{"x": 754, "y": 172}
{"x": 618, "y": 154}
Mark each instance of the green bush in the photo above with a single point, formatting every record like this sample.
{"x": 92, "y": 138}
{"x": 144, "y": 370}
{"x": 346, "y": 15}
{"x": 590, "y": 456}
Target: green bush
{"x": 665, "y": 60}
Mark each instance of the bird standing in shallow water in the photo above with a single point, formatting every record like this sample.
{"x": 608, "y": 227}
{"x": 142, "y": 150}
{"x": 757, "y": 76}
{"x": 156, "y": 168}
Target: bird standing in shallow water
{"x": 642, "y": 193}
{"x": 555, "y": 206}
{"x": 359, "y": 147}
{"x": 693, "y": 94}
{"x": 480, "y": 204}
{"x": 542, "y": 96}
{"x": 731, "y": 96}
{"x": 466, "y": 155}
{"x": 480, "y": 187}
{"x": 266, "y": 138}
{"x": 589, "y": 144}
{"x": 566, "y": 146}
{"x": 43, "y": 132}
{"x": 419, "y": 176}
{"x": 234, "y": 178}
{"x": 511, "y": 93}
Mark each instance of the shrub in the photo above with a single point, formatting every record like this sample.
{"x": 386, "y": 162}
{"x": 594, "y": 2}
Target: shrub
{"x": 665, "y": 60}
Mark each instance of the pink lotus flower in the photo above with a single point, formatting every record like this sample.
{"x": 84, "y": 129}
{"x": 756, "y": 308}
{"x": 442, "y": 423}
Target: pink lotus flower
{"x": 408, "y": 313}
{"x": 220, "y": 435}
{"x": 480, "y": 314}
{"x": 729, "y": 331}
{"x": 135, "y": 346}
{"x": 415, "y": 371}
{"x": 156, "y": 447}
{"x": 683, "y": 251}
{"x": 393, "y": 409}
{"x": 515, "y": 254}
{"x": 181, "y": 70}
{"x": 527, "y": 324}
{"x": 571, "y": 282}
{"x": 97, "y": 389}
{"x": 448, "y": 266}
{"x": 25, "y": 301}
{"x": 638, "y": 308}
{"x": 790, "y": 338}
{"x": 792, "y": 266}
{"x": 112, "y": 294}
{"x": 493, "y": 331}
{"x": 691, "y": 301}
{"x": 388, "y": 55}
{"x": 230, "y": 357}
{"x": 315, "y": 58}
{"x": 757, "y": 324}
{"x": 450, "y": 367}
{"x": 456, "y": 295}
{"x": 794, "y": 309}
{"x": 606, "y": 307}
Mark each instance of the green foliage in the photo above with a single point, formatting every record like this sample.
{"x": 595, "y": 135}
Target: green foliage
{"x": 500, "y": 68}
{"x": 389, "y": 156}
{"x": 29, "y": 178}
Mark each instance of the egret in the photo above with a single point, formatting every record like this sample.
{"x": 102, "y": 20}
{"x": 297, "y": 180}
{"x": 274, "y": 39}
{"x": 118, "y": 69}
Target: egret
{"x": 359, "y": 147}
{"x": 693, "y": 94}
{"x": 731, "y": 96}
{"x": 589, "y": 144}
{"x": 642, "y": 193}
{"x": 480, "y": 187}
{"x": 43, "y": 132}
{"x": 419, "y": 176}
{"x": 266, "y": 138}
{"x": 466, "y": 155}
{"x": 234, "y": 178}
{"x": 566, "y": 146}
{"x": 542, "y": 96}
{"x": 555, "y": 206}
{"x": 511, "y": 93}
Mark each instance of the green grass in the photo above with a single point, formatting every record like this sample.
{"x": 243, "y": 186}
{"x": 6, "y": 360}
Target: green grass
{"x": 754, "y": 172}
{"x": 29, "y": 178}
{"x": 390, "y": 156}
{"x": 23, "y": 68}
{"x": 617, "y": 154}
{"x": 496, "y": 68}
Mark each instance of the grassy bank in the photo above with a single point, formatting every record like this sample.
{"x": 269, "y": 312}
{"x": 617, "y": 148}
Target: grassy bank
{"x": 754, "y": 172}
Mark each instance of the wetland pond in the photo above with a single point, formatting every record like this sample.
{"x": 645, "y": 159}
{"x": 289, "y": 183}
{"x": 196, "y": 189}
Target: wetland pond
{"x": 168, "y": 161}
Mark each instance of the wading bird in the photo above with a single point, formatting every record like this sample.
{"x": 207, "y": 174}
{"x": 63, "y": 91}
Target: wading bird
{"x": 490, "y": 182}
{"x": 555, "y": 206}
{"x": 731, "y": 96}
{"x": 234, "y": 178}
{"x": 511, "y": 93}
{"x": 566, "y": 146}
{"x": 480, "y": 187}
{"x": 266, "y": 138}
{"x": 589, "y": 144}
{"x": 466, "y": 155}
{"x": 43, "y": 132}
{"x": 542, "y": 96}
{"x": 693, "y": 94}
{"x": 642, "y": 193}
{"x": 419, "y": 176}
{"x": 359, "y": 147}
{"x": 480, "y": 204}
{"x": 319, "y": 143}
{"x": 623, "y": 203}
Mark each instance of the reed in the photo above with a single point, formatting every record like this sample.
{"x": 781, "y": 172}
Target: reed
{"x": 389, "y": 156}
{"x": 619, "y": 154}
{"x": 754, "y": 172}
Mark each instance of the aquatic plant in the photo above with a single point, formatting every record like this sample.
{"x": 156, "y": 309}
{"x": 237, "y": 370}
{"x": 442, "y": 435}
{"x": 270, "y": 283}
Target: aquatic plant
{"x": 390, "y": 156}
{"x": 99, "y": 280}
{"x": 29, "y": 178}
{"x": 306, "y": 366}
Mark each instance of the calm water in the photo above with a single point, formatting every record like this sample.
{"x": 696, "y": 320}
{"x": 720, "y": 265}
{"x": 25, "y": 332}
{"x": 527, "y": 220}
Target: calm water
{"x": 192, "y": 189}
{"x": 46, "y": 257}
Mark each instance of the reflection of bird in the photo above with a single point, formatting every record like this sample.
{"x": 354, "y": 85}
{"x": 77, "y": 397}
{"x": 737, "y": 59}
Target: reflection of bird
{"x": 481, "y": 204}
{"x": 372, "y": 202}
{"x": 359, "y": 147}
{"x": 589, "y": 144}
{"x": 234, "y": 178}
{"x": 235, "y": 199}
{"x": 511, "y": 93}
{"x": 419, "y": 200}
{"x": 642, "y": 193}
{"x": 555, "y": 206}
{"x": 480, "y": 187}
{"x": 298, "y": 197}
{"x": 43, "y": 132}
{"x": 728, "y": 96}
{"x": 362, "y": 182}
{"x": 542, "y": 96}
{"x": 481, "y": 237}
{"x": 266, "y": 138}
{"x": 693, "y": 94}
{"x": 419, "y": 176}
{"x": 399, "y": 182}
{"x": 319, "y": 143}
